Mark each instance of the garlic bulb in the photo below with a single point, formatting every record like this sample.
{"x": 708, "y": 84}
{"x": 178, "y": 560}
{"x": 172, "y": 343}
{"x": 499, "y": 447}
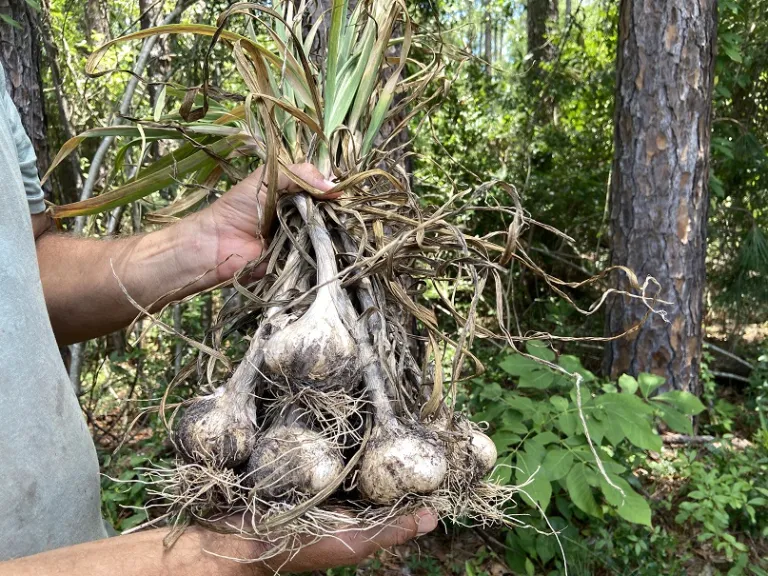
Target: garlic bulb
{"x": 317, "y": 349}
{"x": 290, "y": 457}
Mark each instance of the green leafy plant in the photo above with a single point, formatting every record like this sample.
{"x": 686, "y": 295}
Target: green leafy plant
{"x": 727, "y": 492}
{"x": 539, "y": 434}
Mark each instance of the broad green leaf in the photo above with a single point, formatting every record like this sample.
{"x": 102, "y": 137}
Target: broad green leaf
{"x": 134, "y": 520}
{"x": 502, "y": 473}
{"x": 544, "y": 438}
{"x": 540, "y": 349}
{"x": 546, "y": 547}
{"x": 685, "y": 402}
{"x": 614, "y": 433}
{"x": 491, "y": 391}
{"x": 540, "y": 488}
{"x": 538, "y": 379}
{"x": 628, "y": 384}
{"x": 557, "y": 463}
{"x": 649, "y": 383}
{"x": 611, "y": 466}
{"x": 505, "y": 440}
{"x": 530, "y": 569}
{"x": 573, "y": 365}
{"x": 535, "y": 453}
{"x": 560, "y": 403}
{"x": 631, "y": 414}
{"x": 524, "y": 405}
{"x": 489, "y": 414}
{"x": 676, "y": 420}
{"x": 567, "y": 422}
{"x": 631, "y": 507}
{"x": 596, "y": 427}
{"x": 513, "y": 422}
{"x": 580, "y": 491}
{"x": 733, "y": 53}
{"x": 616, "y": 401}
{"x": 517, "y": 365}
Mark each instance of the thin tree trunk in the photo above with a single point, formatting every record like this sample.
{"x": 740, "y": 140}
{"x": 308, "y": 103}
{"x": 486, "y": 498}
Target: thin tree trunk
{"x": 125, "y": 104}
{"x": 541, "y": 15}
{"x": 77, "y": 350}
{"x": 659, "y": 194}
{"x": 488, "y": 38}
{"x": 470, "y": 19}
{"x": 96, "y": 22}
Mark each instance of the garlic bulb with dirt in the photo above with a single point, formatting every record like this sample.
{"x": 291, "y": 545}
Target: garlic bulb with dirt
{"x": 470, "y": 452}
{"x": 292, "y": 458}
{"x": 401, "y": 457}
{"x": 316, "y": 349}
{"x": 484, "y": 451}
{"x": 219, "y": 429}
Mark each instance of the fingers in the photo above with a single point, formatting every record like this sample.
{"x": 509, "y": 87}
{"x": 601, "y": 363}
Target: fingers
{"x": 306, "y": 172}
{"x": 353, "y": 546}
{"x": 404, "y": 529}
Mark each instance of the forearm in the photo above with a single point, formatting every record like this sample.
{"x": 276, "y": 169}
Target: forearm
{"x": 195, "y": 553}
{"x": 80, "y": 277}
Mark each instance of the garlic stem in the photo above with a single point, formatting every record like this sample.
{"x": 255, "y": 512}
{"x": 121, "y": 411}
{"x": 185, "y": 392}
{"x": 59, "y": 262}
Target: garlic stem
{"x": 317, "y": 349}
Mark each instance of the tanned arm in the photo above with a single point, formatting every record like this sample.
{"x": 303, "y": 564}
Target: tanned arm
{"x": 82, "y": 293}
{"x": 200, "y": 552}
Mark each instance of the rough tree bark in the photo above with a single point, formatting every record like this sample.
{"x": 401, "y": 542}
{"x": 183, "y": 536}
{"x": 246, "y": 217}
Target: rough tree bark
{"x": 659, "y": 192}
{"x": 541, "y": 14}
{"x": 96, "y": 20}
{"x": 541, "y": 17}
{"x": 20, "y": 57}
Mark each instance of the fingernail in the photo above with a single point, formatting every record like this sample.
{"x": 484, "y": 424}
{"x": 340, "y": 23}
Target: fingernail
{"x": 426, "y": 521}
{"x": 330, "y": 183}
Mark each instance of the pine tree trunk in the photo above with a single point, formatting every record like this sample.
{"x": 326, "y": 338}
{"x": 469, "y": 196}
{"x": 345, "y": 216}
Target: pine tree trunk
{"x": 540, "y": 17}
{"x": 659, "y": 191}
{"x": 96, "y": 22}
{"x": 20, "y": 57}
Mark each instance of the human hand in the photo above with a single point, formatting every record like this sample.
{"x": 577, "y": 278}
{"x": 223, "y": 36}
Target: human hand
{"x": 342, "y": 549}
{"x": 227, "y": 234}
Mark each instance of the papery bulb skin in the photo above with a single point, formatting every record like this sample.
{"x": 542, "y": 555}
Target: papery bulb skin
{"x": 217, "y": 430}
{"x": 316, "y": 350}
{"x": 401, "y": 461}
{"x": 293, "y": 459}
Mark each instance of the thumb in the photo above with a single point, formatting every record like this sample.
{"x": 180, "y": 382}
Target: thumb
{"x": 404, "y": 529}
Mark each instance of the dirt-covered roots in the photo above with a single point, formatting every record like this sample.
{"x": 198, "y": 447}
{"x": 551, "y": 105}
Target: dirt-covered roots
{"x": 222, "y": 501}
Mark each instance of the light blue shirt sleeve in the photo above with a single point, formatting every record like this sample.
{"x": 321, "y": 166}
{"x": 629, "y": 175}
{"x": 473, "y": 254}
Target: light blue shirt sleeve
{"x": 24, "y": 150}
